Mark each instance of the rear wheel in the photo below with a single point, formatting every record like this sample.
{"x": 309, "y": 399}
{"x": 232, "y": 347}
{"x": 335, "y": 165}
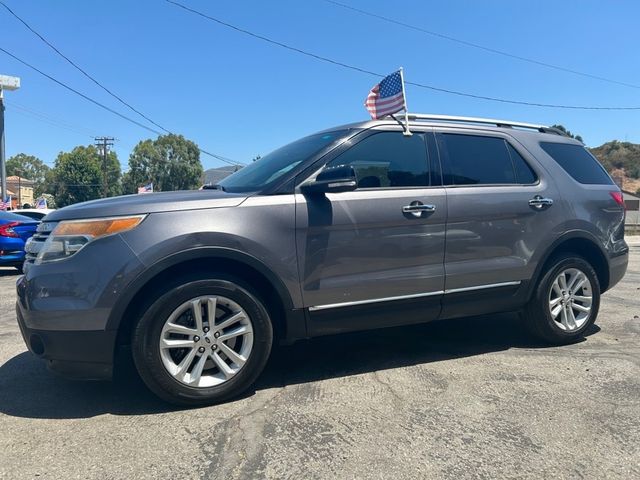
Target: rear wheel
{"x": 203, "y": 341}
{"x": 566, "y": 301}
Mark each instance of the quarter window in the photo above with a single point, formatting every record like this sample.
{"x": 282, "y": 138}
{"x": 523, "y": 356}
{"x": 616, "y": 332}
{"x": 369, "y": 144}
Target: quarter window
{"x": 524, "y": 174}
{"x": 388, "y": 159}
{"x": 578, "y": 162}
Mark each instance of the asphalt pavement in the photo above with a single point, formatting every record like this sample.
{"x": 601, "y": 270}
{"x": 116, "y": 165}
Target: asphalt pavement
{"x": 468, "y": 398}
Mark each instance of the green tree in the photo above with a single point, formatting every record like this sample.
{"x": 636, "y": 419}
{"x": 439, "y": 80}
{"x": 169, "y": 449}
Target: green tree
{"x": 31, "y": 168}
{"x": 171, "y": 162}
{"x": 567, "y": 132}
{"x": 78, "y": 176}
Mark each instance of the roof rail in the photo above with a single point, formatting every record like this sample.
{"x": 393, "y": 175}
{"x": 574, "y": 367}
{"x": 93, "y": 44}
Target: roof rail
{"x": 484, "y": 121}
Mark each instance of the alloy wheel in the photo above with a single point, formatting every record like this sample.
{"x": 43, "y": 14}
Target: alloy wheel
{"x": 570, "y": 299}
{"x": 206, "y": 341}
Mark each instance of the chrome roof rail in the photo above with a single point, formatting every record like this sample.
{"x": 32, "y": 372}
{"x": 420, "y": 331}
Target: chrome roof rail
{"x": 483, "y": 121}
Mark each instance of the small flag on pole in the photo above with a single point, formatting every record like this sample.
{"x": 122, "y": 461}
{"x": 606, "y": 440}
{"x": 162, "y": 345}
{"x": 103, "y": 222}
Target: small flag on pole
{"x": 386, "y": 97}
{"x": 5, "y": 203}
{"x": 148, "y": 188}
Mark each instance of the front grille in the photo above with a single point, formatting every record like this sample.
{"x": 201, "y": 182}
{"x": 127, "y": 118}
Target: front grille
{"x": 35, "y": 243}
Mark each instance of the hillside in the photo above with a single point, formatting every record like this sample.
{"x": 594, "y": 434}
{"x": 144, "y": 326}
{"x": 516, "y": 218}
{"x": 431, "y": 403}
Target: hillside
{"x": 622, "y": 160}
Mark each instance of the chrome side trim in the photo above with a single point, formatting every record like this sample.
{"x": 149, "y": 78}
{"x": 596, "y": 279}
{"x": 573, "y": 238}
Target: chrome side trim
{"x": 375, "y": 300}
{"x": 416, "y": 295}
{"x": 480, "y": 287}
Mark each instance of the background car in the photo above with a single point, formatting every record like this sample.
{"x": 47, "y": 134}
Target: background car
{"x": 35, "y": 213}
{"x": 15, "y": 230}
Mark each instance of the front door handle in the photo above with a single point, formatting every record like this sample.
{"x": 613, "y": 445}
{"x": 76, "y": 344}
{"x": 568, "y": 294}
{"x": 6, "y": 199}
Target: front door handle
{"x": 417, "y": 208}
{"x": 538, "y": 202}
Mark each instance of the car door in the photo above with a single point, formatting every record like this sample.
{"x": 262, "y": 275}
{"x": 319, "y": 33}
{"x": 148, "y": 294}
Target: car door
{"x": 374, "y": 256}
{"x": 499, "y": 211}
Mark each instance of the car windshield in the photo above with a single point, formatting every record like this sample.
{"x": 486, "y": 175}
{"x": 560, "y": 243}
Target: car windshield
{"x": 271, "y": 167}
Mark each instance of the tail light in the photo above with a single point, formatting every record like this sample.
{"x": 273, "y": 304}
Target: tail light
{"x": 7, "y": 230}
{"x": 617, "y": 196}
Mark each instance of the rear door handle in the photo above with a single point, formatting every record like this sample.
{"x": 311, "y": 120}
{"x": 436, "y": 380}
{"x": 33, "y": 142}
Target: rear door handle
{"x": 416, "y": 209}
{"x": 538, "y": 202}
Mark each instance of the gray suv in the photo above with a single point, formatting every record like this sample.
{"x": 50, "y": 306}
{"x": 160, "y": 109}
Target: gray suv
{"x": 357, "y": 227}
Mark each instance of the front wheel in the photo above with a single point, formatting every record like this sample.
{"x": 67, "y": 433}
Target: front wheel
{"x": 566, "y": 301}
{"x": 203, "y": 341}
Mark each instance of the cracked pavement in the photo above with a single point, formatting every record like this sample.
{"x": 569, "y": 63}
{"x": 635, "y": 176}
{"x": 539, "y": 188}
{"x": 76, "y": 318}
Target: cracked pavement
{"x": 468, "y": 398}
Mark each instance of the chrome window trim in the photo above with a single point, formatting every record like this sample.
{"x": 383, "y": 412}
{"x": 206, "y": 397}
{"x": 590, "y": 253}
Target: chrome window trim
{"x": 416, "y": 295}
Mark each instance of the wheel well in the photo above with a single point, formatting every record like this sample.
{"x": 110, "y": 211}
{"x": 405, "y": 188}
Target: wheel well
{"x": 587, "y": 250}
{"x": 253, "y": 280}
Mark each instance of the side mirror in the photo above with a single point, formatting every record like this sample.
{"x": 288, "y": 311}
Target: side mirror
{"x": 341, "y": 178}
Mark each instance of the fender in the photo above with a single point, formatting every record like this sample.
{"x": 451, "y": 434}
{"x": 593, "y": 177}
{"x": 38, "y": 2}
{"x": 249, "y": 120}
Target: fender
{"x": 169, "y": 261}
{"x": 570, "y": 235}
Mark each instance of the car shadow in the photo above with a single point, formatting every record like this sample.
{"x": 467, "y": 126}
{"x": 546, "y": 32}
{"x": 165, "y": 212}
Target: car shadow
{"x": 28, "y": 389}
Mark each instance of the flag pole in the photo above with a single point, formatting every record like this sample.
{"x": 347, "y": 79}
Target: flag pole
{"x": 406, "y": 131}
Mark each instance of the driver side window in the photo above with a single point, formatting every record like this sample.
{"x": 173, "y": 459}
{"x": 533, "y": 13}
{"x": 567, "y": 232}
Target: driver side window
{"x": 388, "y": 160}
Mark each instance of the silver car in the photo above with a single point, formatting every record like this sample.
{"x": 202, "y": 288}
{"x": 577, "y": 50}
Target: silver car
{"x": 352, "y": 228}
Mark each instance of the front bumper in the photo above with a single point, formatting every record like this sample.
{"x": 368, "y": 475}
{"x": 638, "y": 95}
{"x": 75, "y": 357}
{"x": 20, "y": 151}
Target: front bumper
{"x": 86, "y": 355}
{"x": 63, "y": 308}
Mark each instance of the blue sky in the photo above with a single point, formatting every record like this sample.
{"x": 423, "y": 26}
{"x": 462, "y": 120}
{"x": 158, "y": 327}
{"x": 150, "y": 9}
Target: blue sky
{"x": 239, "y": 97}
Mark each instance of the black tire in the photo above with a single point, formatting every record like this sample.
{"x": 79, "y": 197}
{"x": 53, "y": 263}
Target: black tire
{"x": 537, "y": 315}
{"x": 146, "y": 341}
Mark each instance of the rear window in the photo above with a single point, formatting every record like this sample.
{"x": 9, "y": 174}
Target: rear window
{"x": 578, "y": 163}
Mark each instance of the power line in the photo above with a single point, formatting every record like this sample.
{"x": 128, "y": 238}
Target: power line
{"x": 80, "y": 69}
{"x": 71, "y": 89}
{"x": 43, "y": 117}
{"x": 103, "y": 106}
{"x": 379, "y": 75}
{"x": 480, "y": 47}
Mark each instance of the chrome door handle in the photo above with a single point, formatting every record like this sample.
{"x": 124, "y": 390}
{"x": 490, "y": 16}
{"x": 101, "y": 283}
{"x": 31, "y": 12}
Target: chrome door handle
{"x": 417, "y": 208}
{"x": 538, "y": 202}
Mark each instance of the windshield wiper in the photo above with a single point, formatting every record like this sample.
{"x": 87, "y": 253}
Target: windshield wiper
{"x": 213, "y": 186}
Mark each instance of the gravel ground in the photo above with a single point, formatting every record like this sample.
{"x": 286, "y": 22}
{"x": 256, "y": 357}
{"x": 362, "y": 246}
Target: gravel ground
{"x": 469, "y": 398}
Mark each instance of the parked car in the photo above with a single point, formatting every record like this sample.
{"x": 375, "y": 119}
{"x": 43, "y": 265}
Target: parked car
{"x": 35, "y": 213}
{"x": 352, "y": 228}
{"x": 15, "y": 230}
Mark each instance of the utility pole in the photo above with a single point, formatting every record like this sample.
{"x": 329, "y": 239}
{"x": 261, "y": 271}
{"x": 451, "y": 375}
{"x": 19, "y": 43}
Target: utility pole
{"x": 6, "y": 83}
{"x": 19, "y": 172}
{"x": 103, "y": 144}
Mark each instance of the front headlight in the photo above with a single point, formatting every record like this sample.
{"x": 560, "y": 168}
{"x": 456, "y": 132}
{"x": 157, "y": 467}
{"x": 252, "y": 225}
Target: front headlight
{"x": 69, "y": 237}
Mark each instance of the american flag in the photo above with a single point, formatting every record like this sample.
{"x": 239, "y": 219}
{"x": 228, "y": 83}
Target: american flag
{"x": 148, "y": 188}
{"x": 6, "y": 203}
{"x": 387, "y": 97}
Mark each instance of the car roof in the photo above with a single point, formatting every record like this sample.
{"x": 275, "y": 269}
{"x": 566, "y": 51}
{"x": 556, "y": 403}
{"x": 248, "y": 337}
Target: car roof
{"x": 35, "y": 210}
{"x": 526, "y": 131}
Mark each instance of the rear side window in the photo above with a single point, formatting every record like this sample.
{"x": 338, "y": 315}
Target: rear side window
{"x": 478, "y": 160}
{"x": 524, "y": 174}
{"x": 578, "y": 163}
{"x": 387, "y": 160}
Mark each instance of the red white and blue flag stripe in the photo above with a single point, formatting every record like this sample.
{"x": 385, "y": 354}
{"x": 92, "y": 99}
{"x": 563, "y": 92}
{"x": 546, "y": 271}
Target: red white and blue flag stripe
{"x": 5, "y": 203}
{"x": 386, "y": 97}
{"x": 148, "y": 188}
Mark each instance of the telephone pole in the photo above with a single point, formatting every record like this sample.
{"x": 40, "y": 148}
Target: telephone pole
{"x": 103, "y": 144}
{"x": 6, "y": 83}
